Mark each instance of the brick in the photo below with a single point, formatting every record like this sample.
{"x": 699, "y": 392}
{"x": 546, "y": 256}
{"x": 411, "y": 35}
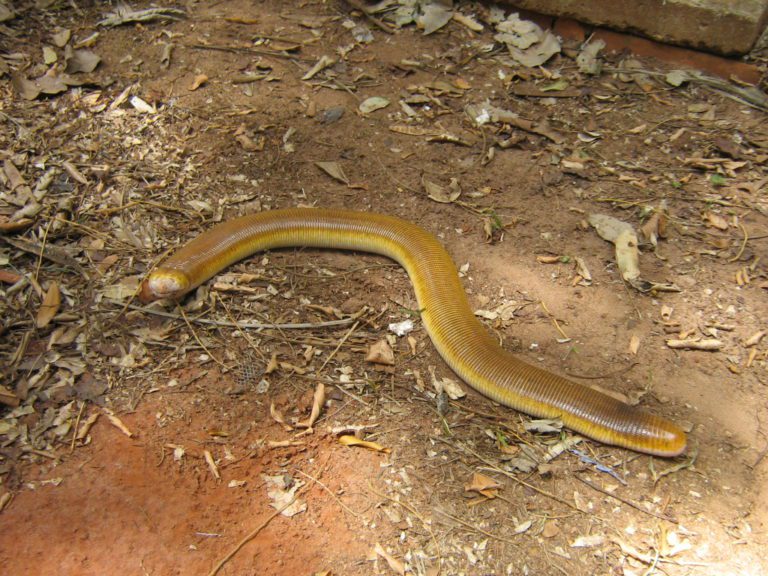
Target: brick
{"x": 726, "y": 68}
{"x": 727, "y": 27}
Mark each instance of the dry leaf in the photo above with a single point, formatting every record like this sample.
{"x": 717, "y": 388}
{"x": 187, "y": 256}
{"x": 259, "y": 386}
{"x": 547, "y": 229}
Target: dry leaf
{"x": 551, "y": 529}
{"x": 74, "y": 172}
{"x": 282, "y": 491}
{"x": 448, "y": 385}
{"x": 755, "y": 339}
{"x": 588, "y": 541}
{"x": 50, "y": 306}
{"x": 716, "y": 221}
{"x": 24, "y": 87}
{"x": 625, "y": 240}
{"x": 117, "y": 423}
{"x": 317, "y": 405}
{"x": 439, "y": 193}
{"x": 348, "y": 440}
{"x": 277, "y": 416}
{"x": 199, "y": 80}
{"x": 334, "y": 170}
{"x": 272, "y": 365}
{"x": 584, "y": 276}
{"x": 86, "y": 426}
{"x": 372, "y": 104}
{"x": 381, "y": 353}
{"x": 395, "y": 564}
{"x": 468, "y": 21}
{"x": 322, "y": 64}
{"x": 82, "y": 61}
{"x": 587, "y": 60}
{"x": 483, "y": 484}
{"x": 211, "y": 464}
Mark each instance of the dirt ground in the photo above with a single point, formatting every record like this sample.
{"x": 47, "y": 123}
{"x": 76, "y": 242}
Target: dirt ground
{"x": 137, "y": 443}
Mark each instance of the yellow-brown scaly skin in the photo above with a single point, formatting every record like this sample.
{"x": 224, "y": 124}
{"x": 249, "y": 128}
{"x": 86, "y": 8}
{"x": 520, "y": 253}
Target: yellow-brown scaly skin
{"x": 459, "y": 337}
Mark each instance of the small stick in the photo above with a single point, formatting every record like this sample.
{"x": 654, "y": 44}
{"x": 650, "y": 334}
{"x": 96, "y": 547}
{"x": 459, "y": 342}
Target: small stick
{"x": 42, "y": 250}
{"x": 743, "y": 244}
{"x": 76, "y": 428}
{"x": 624, "y": 501}
{"x": 341, "y": 343}
{"x": 251, "y": 536}
{"x": 194, "y": 335}
{"x": 252, "y": 325}
{"x": 554, "y": 320}
{"x": 475, "y": 528}
{"x": 511, "y": 476}
{"x": 375, "y": 21}
{"x": 338, "y": 500}
{"x": 415, "y": 512}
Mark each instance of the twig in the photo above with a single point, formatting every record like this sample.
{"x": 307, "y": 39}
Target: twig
{"x": 624, "y": 501}
{"x": 52, "y": 253}
{"x": 253, "y": 325}
{"x": 341, "y": 343}
{"x": 240, "y": 50}
{"x": 554, "y": 320}
{"x": 200, "y": 342}
{"x": 415, "y": 512}
{"x": 242, "y": 332}
{"x": 252, "y": 535}
{"x": 76, "y": 428}
{"x": 613, "y": 374}
{"x": 511, "y": 476}
{"x": 375, "y": 21}
{"x": 475, "y": 528}
{"x": 743, "y": 244}
{"x": 42, "y": 250}
{"x": 338, "y": 500}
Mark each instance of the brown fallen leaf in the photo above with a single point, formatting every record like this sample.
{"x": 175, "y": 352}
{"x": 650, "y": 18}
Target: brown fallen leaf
{"x": 716, "y": 221}
{"x": 8, "y": 397}
{"x": 272, "y": 365}
{"x": 74, "y": 172}
{"x": 320, "y": 65}
{"x": 11, "y": 227}
{"x": 277, "y": 416}
{"x": 625, "y": 241}
{"x": 484, "y": 485}
{"x": 381, "y": 353}
{"x": 86, "y": 425}
{"x": 317, "y": 405}
{"x": 334, "y": 170}
{"x": 198, "y": 81}
{"x": 5, "y": 499}
{"x": 441, "y": 194}
{"x": 393, "y": 562}
{"x": 49, "y": 307}
{"x": 284, "y": 443}
{"x": 8, "y": 277}
{"x": 551, "y": 529}
{"x": 755, "y": 339}
{"x": 116, "y": 422}
{"x": 348, "y": 440}
{"x": 107, "y": 263}
{"x": 81, "y": 61}
{"x": 211, "y": 464}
